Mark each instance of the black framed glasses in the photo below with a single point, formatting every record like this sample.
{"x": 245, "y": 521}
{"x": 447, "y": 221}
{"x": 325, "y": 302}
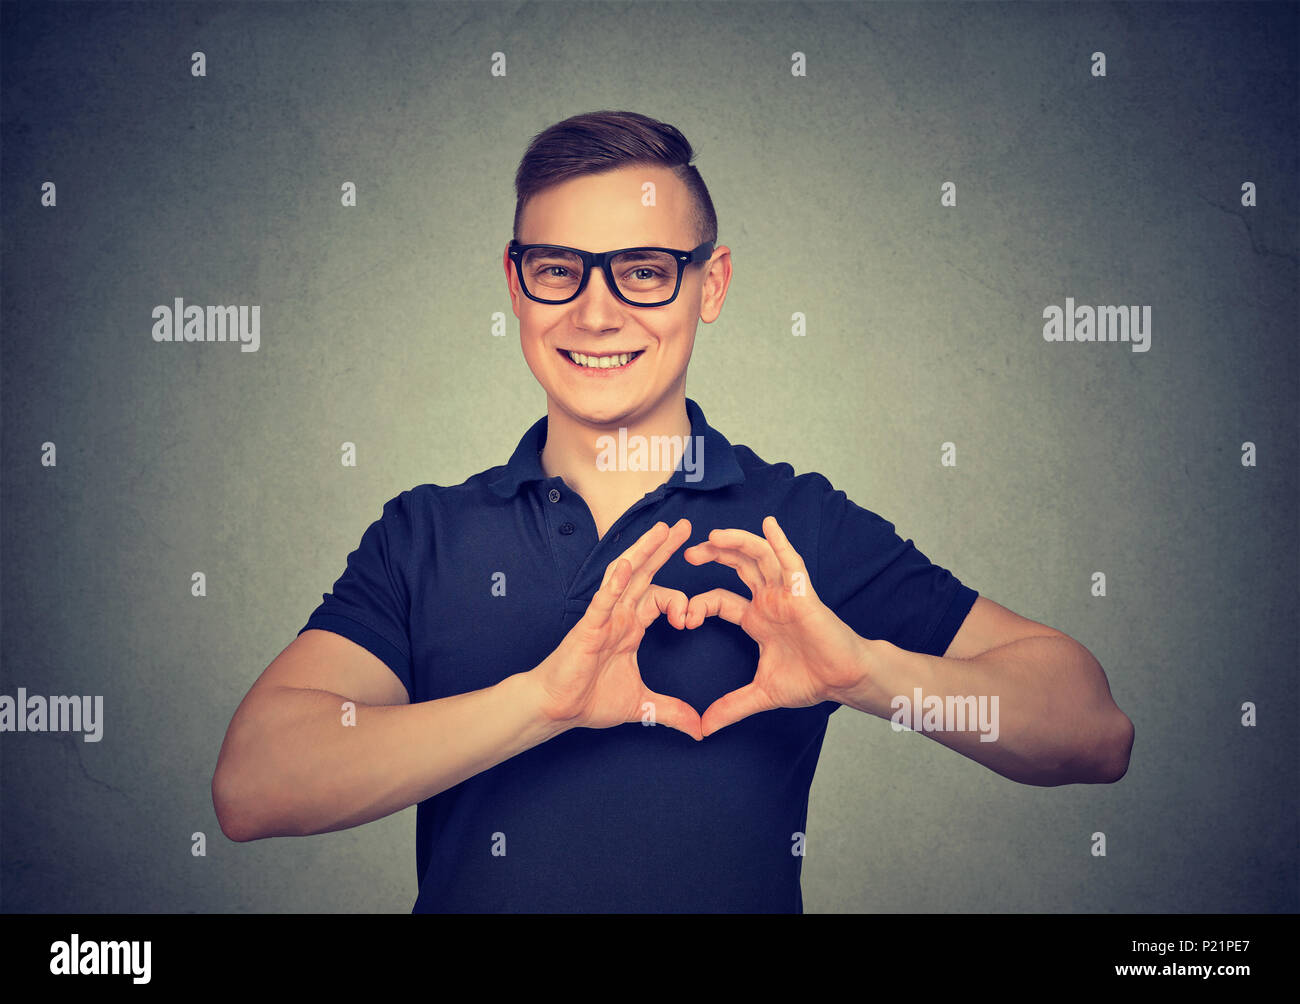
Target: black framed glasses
{"x": 642, "y": 277}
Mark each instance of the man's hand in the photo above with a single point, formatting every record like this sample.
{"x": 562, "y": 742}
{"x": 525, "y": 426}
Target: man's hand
{"x": 592, "y": 679}
{"x": 806, "y": 653}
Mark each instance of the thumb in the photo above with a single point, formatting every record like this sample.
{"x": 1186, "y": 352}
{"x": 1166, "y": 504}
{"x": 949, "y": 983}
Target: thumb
{"x": 732, "y": 707}
{"x": 673, "y": 712}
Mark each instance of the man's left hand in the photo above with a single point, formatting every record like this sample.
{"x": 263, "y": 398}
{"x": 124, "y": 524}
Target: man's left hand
{"x": 806, "y": 653}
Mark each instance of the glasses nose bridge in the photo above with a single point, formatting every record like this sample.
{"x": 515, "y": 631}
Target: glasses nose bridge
{"x": 598, "y": 262}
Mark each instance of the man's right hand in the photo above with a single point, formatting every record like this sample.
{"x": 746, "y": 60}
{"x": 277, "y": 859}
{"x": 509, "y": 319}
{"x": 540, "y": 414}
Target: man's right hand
{"x": 592, "y": 679}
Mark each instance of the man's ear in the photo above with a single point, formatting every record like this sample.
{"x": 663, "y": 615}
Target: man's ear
{"x": 510, "y": 280}
{"x": 717, "y": 279}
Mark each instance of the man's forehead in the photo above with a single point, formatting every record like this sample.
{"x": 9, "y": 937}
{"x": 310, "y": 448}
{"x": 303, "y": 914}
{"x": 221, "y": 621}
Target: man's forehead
{"x": 636, "y": 206}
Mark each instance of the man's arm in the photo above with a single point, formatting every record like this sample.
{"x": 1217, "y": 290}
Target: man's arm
{"x": 295, "y": 761}
{"x": 289, "y": 765}
{"x": 1058, "y": 723}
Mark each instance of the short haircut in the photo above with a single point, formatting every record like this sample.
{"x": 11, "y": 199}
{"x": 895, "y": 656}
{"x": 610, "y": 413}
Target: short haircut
{"x": 603, "y": 141}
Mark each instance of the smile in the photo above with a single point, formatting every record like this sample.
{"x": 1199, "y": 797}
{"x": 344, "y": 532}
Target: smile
{"x": 611, "y": 361}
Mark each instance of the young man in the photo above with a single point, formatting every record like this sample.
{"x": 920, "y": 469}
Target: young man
{"x": 591, "y": 715}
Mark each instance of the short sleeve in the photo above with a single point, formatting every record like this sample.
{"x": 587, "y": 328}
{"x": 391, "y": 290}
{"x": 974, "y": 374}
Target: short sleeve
{"x": 881, "y": 585}
{"x": 370, "y": 604}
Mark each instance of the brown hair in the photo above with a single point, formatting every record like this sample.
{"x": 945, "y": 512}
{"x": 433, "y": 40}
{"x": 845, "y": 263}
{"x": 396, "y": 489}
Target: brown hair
{"x": 602, "y": 141}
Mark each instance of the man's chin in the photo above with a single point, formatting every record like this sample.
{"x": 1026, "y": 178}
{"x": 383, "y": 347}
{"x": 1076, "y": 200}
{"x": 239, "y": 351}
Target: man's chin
{"x": 615, "y": 411}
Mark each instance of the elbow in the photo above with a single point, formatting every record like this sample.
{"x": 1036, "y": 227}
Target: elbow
{"x": 1114, "y": 763}
{"x": 1103, "y": 760}
{"x": 230, "y": 809}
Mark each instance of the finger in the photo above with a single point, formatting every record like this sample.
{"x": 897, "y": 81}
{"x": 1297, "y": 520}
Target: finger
{"x": 678, "y": 535}
{"x": 645, "y": 546}
{"x": 675, "y": 713}
{"x": 616, "y": 579}
{"x": 752, "y": 546}
{"x": 745, "y": 567}
{"x": 791, "y": 561}
{"x": 661, "y": 599}
{"x": 715, "y": 603}
{"x": 731, "y": 708}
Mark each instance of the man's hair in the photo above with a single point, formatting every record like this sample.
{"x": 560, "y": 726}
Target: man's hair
{"x": 602, "y": 141}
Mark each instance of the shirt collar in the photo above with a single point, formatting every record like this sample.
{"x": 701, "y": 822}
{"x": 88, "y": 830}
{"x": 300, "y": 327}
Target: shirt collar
{"x": 716, "y": 464}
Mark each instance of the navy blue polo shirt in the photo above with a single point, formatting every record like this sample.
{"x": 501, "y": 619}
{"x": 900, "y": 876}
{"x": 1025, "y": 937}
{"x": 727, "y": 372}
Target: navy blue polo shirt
{"x": 633, "y": 818}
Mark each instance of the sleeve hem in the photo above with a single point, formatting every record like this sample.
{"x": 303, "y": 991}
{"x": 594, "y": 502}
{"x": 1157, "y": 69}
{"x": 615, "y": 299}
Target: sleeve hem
{"x": 369, "y": 639}
{"x": 948, "y": 625}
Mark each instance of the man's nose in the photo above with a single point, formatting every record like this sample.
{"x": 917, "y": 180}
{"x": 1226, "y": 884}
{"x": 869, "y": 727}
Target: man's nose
{"x": 598, "y": 306}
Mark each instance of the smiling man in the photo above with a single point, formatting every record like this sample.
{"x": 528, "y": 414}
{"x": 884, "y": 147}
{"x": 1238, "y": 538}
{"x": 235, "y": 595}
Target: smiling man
{"x": 591, "y": 715}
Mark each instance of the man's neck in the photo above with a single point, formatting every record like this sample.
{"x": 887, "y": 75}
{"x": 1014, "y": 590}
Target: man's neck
{"x": 596, "y": 461}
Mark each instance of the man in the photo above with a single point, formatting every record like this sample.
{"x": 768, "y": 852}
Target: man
{"x": 591, "y": 716}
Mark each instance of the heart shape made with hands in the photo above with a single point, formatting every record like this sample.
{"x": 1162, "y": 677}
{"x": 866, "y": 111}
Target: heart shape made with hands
{"x": 807, "y": 655}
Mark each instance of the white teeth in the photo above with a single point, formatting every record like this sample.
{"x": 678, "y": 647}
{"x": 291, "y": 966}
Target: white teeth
{"x": 601, "y": 362}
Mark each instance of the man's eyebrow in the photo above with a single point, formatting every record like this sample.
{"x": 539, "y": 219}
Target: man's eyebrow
{"x": 632, "y": 254}
{"x": 642, "y": 254}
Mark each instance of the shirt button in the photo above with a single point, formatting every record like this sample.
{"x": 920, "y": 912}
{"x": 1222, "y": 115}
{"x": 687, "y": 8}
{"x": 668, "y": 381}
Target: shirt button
{"x": 566, "y": 528}
{"x": 553, "y": 495}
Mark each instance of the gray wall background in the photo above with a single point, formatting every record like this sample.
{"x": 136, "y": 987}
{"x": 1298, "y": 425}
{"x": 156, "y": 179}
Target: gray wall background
{"x": 924, "y": 327}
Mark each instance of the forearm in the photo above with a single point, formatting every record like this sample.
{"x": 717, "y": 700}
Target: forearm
{"x": 291, "y": 767}
{"x": 1055, "y": 718}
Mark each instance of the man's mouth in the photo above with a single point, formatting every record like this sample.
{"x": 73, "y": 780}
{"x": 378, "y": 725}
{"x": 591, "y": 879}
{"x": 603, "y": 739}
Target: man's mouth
{"x": 607, "y": 361}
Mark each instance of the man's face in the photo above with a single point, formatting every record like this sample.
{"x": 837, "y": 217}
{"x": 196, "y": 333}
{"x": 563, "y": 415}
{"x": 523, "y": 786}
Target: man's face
{"x": 604, "y": 212}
